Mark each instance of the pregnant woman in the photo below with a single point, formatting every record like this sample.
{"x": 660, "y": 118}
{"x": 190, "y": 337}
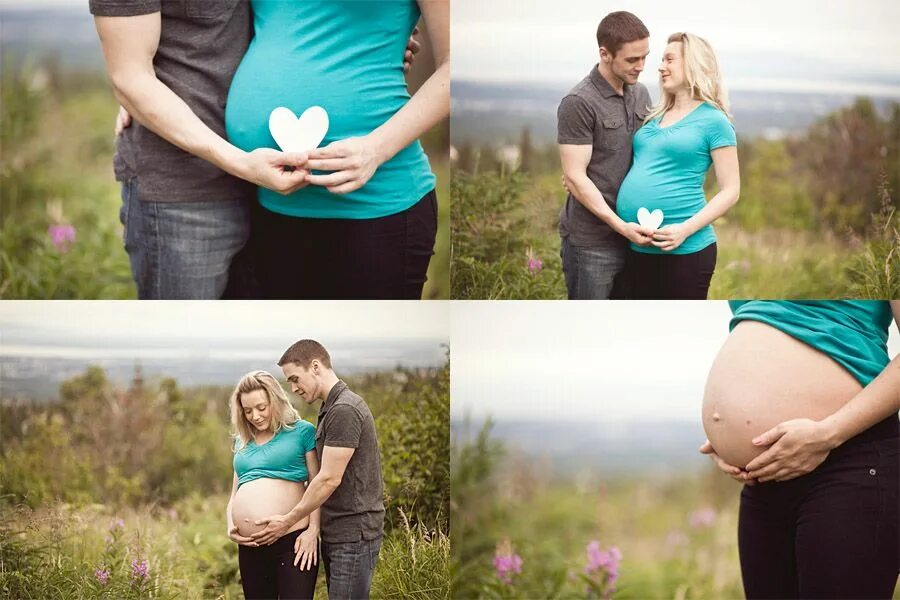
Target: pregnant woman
{"x": 365, "y": 225}
{"x": 681, "y": 137}
{"x": 274, "y": 455}
{"x": 801, "y": 405}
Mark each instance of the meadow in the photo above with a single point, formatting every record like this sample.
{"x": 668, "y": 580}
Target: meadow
{"x": 60, "y": 235}
{"x": 128, "y": 501}
{"x": 817, "y": 218}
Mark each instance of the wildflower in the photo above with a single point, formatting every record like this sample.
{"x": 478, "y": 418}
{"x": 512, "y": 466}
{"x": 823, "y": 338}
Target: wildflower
{"x": 534, "y": 263}
{"x": 102, "y": 575}
{"x": 140, "y": 571}
{"x": 117, "y": 523}
{"x": 704, "y": 517}
{"x": 506, "y": 562}
{"x": 603, "y": 567}
{"x": 62, "y": 236}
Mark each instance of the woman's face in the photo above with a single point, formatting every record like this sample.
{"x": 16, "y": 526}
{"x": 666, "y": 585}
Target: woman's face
{"x": 671, "y": 70}
{"x": 257, "y": 409}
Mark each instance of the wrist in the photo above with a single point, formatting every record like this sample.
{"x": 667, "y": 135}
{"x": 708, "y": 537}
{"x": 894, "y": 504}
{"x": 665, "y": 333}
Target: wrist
{"x": 831, "y": 433}
{"x": 232, "y": 160}
{"x": 377, "y": 142}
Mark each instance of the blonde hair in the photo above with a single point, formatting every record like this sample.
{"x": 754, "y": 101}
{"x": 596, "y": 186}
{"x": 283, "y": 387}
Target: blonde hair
{"x": 283, "y": 414}
{"x": 701, "y": 73}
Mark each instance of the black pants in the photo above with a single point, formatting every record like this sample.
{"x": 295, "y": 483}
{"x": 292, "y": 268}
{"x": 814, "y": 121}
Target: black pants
{"x": 832, "y": 533}
{"x": 269, "y": 571}
{"x": 666, "y": 276}
{"x": 345, "y": 259}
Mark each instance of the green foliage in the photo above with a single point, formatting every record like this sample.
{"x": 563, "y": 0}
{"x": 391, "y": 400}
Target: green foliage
{"x": 875, "y": 272}
{"x": 413, "y": 563}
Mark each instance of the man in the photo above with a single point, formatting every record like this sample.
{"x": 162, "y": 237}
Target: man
{"x": 187, "y": 193}
{"x": 349, "y": 488}
{"x": 596, "y": 121}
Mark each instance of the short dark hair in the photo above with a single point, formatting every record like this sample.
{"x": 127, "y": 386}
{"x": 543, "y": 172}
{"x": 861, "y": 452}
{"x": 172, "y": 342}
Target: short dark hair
{"x": 619, "y": 28}
{"x": 304, "y": 352}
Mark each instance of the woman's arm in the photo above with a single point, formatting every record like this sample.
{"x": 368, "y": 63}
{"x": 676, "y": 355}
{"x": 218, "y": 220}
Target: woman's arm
{"x": 801, "y": 445}
{"x": 232, "y": 529}
{"x": 354, "y": 160}
{"x": 728, "y": 178}
{"x": 306, "y": 547}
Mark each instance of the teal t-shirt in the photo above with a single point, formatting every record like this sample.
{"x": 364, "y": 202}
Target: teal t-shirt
{"x": 669, "y": 168}
{"x": 282, "y": 457}
{"x": 852, "y": 332}
{"x": 347, "y": 57}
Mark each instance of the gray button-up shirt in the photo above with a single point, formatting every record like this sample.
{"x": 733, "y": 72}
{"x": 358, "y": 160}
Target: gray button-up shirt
{"x": 355, "y": 511}
{"x": 593, "y": 113}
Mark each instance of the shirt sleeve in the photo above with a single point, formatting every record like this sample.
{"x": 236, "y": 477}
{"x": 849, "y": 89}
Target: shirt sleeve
{"x": 344, "y": 427}
{"x": 124, "y": 8}
{"x": 720, "y": 132}
{"x": 575, "y": 122}
{"x": 307, "y": 437}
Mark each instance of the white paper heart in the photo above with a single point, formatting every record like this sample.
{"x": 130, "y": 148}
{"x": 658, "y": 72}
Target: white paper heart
{"x": 650, "y": 220}
{"x": 298, "y": 135}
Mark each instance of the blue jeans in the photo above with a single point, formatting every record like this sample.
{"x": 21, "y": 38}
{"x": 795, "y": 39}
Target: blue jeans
{"x": 182, "y": 250}
{"x": 349, "y": 567}
{"x": 590, "y": 272}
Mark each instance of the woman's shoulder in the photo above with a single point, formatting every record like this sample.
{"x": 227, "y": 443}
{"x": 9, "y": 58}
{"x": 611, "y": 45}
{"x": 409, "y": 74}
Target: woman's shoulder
{"x": 300, "y": 427}
{"x": 713, "y": 113}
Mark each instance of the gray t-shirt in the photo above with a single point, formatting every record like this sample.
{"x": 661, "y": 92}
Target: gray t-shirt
{"x": 355, "y": 511}
{"x": 200, "y": 46}
{"x": 593, "y": 113}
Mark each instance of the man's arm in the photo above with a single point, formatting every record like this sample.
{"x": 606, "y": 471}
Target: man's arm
{"x": 129, "y": 45}
{"x": 575, "y": 160}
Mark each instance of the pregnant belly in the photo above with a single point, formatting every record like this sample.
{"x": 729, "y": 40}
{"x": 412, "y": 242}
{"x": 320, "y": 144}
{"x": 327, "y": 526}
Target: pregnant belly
{"x": 762, "y": 377}
{"x": 263, "y": 498}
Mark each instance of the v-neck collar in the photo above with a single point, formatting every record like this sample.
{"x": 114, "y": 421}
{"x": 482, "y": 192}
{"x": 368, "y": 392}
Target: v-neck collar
{"x": 679, "y": 121}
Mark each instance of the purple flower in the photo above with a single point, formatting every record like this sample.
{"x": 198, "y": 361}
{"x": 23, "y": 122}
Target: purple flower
{"x": 62, "y": 235}
{"x": 102, "y": 575}
{"x": 603, "y": 566}
{"x": 534, "y": 263}
{"x": 140, "y": 570}
{"x": 704, "y": 517}
{"x": 116, "y": 523}
{"x": 506, "y": 562}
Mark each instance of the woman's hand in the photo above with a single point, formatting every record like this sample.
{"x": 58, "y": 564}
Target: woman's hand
{"x": 353, "y": 160}
{"x": 734, "y": 472}
{"x": 306, "y": 549}
{"x": 123, "y": 120}
{"x": 236, "y": 537}
{"x": 671, "y": 236}
{"x": 412, "y": 48}
{"x": 638, "y": 234}
{"x": 796, "y": 447}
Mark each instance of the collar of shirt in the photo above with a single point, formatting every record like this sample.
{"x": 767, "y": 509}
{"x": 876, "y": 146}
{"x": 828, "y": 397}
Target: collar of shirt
{"x": 336, "y": 390}
{"x": 603, "y": 86}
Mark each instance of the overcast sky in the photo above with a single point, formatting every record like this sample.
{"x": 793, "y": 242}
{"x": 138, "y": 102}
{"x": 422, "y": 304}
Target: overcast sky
{"x": 610, "y": 361}
{"x": 798, "y": 43}
{"x": 75, "y": 329}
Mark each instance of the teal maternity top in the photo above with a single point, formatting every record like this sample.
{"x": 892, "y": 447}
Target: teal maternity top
{"x": 282, "y": 457}
{"x": 669, "y": 168}
{"x": 852, "y": 332}
{"x": 347, "y": 57}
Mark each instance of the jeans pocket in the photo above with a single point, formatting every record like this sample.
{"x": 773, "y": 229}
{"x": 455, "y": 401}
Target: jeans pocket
{"x": 128, "y": 187}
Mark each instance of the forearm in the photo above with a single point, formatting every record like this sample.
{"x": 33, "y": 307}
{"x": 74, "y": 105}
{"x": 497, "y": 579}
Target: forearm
{"x": 228, "y": 518}
{"x": 318, "y": 491}
{"x": 315, "y": 520}
{"x": 876, "y": 402}
{"x": 717, "y": 206}
{"x": 584, "y": 190}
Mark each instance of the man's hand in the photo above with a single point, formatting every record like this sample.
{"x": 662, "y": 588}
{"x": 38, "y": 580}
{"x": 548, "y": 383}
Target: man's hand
{"x": 306, "y": 549}
{"x": 638, "y": 234}
{"x": 735, "y": 473}
{"x": 796, "y": 447}
{"x": 236, "y": 537}
{"x": 670, "y": 237}
{"x": 353, "y": 160}
{"x": 412, "y": 48}
{"x": 266, "y": 167}
{"x": 123, "y": 120}
{"x": 276, "y": 527}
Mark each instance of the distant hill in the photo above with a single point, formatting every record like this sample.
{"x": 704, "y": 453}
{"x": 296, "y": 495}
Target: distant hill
{"x": 60, "y": 36}
{"x": 496, "y": 113}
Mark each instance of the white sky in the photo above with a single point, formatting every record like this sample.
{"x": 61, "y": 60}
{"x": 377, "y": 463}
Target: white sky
{"x": 613, "y": 361}
{"x": 796, "y": 40}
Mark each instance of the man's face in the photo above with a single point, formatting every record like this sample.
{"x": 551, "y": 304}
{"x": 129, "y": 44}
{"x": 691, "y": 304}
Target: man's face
{"x": 629, "y": 61}
{"x": 304, "y": 381}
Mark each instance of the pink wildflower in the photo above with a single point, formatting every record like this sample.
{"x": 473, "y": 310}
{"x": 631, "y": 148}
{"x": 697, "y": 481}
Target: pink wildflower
{"x": 140, "y": 570}
{"x": 534, "y": 263}
{"x": 603, "y": 566}
{"x": 116, "y": 523}
{"x": 102, "y": 575}
{"x": 506, "y": 562}
{"x": 704, "y": 517}
{"x": 62, "y": 236}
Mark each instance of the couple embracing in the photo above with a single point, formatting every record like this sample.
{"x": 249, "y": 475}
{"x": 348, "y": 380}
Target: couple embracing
{"x": 294, "y": 481}
{"x": 636, "y": 223}
{"x": 211, "y": 208}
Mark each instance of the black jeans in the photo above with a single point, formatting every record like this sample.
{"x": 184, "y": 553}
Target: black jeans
{"x": 832, "y": 533}
{"x": 666, "y": 276}
{"x": 269, "y": 571}
{"x": 345, "y": 259}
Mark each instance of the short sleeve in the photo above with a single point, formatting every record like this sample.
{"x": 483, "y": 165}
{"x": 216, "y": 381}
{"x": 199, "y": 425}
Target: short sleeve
{"x": 344, "y": 427}
{"x": 575, "y": 121}
{"x": 124, "y": 8}
{"x": 720, "y": 132}
{"x": 307, "y": 436}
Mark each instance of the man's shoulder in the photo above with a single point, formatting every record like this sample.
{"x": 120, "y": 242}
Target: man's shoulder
{"x": 350, "y": 401}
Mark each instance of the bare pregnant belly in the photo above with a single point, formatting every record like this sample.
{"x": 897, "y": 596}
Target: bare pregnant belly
{"x": 263, "y": 498}
{"x": 762, "y": 377}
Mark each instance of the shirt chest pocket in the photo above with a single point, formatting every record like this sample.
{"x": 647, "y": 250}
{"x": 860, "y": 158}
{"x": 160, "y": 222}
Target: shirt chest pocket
{"x": 613, "y": 135}
{"x": 209, "y": 10}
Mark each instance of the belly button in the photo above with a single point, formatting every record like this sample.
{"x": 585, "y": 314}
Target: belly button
{"x": 716, "y": 417}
